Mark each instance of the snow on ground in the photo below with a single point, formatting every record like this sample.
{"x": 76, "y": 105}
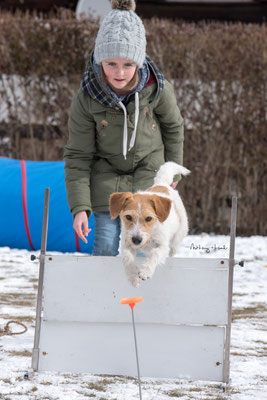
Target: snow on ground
{"x": 18, "y": 289}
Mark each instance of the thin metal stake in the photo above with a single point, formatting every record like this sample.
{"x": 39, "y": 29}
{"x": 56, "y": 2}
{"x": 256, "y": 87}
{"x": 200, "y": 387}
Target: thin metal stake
{"x": 136, "y": 352}
{"x": 131, "y": 301}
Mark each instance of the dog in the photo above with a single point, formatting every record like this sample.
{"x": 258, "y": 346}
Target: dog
{"x": 152, "y": 221}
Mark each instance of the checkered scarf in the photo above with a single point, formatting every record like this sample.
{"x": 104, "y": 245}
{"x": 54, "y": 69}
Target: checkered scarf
{"x": 91, "y": 85}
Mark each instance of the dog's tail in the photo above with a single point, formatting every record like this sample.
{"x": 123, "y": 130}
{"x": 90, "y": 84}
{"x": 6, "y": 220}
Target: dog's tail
{"x": 167, "y": 172}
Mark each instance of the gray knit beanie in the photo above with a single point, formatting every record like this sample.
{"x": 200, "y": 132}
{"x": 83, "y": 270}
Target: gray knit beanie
{"x": 121, "y": 34}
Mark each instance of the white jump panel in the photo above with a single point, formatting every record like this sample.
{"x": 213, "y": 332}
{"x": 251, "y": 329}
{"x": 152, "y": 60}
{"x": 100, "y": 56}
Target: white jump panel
{"x": 89, "y": 289}
{"x": 165, "y": 351}
{"x": 181, "y": 323}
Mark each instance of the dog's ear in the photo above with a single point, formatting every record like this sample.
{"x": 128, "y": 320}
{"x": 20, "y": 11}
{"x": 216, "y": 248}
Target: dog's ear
{"x": 162, "y": 207}
{"x": 117, "y": 201}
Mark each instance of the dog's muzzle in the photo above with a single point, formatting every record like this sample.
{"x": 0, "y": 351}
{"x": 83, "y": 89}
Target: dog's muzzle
{"x": 136, "y": 240}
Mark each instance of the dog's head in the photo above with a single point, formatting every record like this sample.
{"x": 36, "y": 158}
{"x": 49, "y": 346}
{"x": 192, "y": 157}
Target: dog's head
{"x": 140, "y": 213}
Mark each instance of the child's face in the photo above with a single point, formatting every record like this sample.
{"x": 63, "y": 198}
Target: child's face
{"x": 119, "y": 71}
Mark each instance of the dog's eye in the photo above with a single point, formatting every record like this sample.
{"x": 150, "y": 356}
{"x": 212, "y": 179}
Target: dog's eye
{"x": 129, "y": 217}
{"x": 148, "y": 219}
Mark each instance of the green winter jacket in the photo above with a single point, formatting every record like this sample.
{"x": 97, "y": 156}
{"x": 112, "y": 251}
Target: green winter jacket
{"x": 94, "y": 162}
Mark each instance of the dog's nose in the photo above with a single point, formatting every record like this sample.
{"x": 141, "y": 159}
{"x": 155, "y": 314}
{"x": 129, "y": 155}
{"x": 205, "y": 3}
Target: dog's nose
{"x": 136, "y": 240}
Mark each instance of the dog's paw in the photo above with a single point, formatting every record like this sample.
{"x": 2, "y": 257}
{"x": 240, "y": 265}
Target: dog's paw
{"x": 135, "y": 281}
{"x": 172, "y": 252}
{"x": 145, "y": 274}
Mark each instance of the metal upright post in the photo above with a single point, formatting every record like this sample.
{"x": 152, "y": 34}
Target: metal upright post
{"x": 35, "y": 353}
{"x": 226, "y": 370}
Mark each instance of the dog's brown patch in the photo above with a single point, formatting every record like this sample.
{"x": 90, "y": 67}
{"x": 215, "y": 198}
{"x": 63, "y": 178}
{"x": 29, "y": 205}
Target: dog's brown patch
{"x": 162, "y": 207}
{"x": 159, "y": 189}
{"x": 117, "y": 201}
{"x": 147, "y": 205}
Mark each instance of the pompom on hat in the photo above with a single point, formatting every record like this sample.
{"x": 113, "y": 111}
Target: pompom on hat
{"x": 127, "y": 5}
{"x": 121, "y": 34}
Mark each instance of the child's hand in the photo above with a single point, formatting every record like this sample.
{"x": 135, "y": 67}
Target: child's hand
{"x": 174, "y": 184}
{"x": 80, "y": 225}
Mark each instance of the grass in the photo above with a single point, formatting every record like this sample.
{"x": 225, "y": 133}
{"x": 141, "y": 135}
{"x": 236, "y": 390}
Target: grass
{"x": 20, "y": 318}
{"x": 177, "y": 394}
{"x": 249, "y": 312}
{"x": 121, "y": 377}
{"x": 257, "y": 353}
{"x": 218, "y": 397}
{"x": 6, "y": 380}
{"x": 24, "y": 353}
{"x": 194, "y": 390}
{"x": 100, "y": 386}
{"x": 18, "y": 299}
{"x": 261, "y": 342}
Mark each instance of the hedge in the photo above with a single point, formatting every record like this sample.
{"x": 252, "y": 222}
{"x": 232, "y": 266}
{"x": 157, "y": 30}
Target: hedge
{"x": 219, "y": 73}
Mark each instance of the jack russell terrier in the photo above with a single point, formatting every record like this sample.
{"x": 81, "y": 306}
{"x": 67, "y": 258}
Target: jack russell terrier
{"x": 153, "y": 222}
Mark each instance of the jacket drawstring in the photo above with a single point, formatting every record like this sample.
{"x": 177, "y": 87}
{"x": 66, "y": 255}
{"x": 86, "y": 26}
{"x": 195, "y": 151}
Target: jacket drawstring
{"x": 136, "y": 117}
{"x": 125, "y": 131}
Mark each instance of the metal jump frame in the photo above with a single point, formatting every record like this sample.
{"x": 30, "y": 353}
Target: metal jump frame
{"x": 232, "y": 262}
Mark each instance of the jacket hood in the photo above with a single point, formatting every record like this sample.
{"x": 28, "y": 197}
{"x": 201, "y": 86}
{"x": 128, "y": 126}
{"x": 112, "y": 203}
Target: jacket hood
{"x": 92, "y": 86}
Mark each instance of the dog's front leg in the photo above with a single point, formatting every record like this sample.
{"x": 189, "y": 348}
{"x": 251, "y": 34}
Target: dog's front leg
{"x": 157, "y": 256}
{"x": 131, "y": 269}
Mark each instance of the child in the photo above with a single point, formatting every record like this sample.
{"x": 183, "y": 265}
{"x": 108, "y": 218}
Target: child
{"x": 124, "y": 124}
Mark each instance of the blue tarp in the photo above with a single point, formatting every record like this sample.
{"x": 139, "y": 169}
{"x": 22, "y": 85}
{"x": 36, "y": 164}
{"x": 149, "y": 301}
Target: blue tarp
{"x": 39, "y": 175}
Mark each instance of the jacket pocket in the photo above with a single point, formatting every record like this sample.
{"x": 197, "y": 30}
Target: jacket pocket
{"x": 109, "y": 132}
{"x": 151, "y": 120}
